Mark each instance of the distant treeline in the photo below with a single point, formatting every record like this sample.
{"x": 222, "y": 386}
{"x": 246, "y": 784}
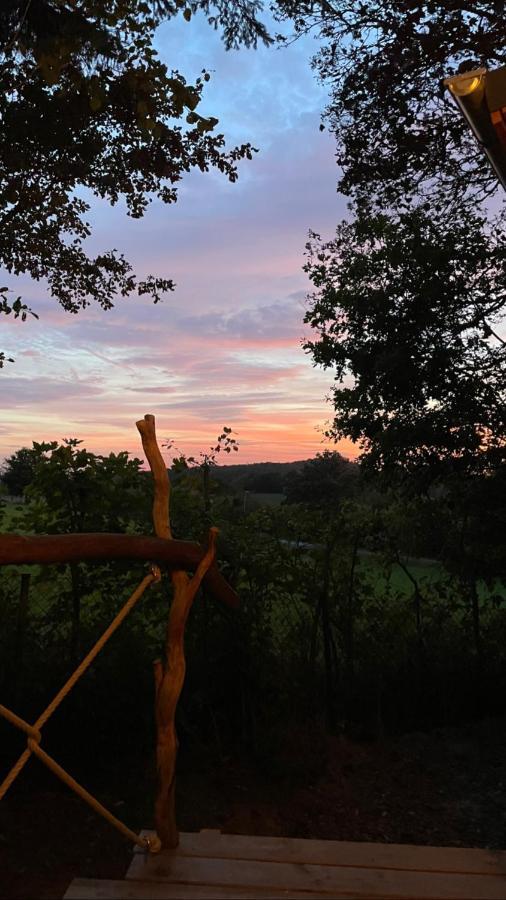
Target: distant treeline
{"x": 268, "y": 477}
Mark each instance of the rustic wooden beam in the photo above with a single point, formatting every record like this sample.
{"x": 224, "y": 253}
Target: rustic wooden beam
{"x": 42, "y": 549}
{"x": 170, "y": 672}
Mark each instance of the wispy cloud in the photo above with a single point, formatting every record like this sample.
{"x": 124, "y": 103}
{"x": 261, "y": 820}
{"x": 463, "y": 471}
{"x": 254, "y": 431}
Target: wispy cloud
{"x": 27, "y": 392}
{"x": 225, "y": 347}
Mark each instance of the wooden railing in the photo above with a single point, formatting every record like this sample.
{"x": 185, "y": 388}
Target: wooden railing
{"x": 161, "y": 551}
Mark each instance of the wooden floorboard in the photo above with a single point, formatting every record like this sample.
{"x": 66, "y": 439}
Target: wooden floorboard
{"x": 98, "y": 889}
{"x": 210, "y": 843}
{"x": 331, "y": 880}
{"x": 215, "y": 865}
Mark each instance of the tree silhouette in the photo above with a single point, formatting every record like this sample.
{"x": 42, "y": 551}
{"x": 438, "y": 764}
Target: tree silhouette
{"x": 88, "y": 104}
{"x": 407, "y": 312}
{"x": 399, "y": 133}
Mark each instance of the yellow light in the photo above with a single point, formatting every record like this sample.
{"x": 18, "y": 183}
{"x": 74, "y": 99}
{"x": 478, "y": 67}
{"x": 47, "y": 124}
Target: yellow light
{"x": 465, "y": 86}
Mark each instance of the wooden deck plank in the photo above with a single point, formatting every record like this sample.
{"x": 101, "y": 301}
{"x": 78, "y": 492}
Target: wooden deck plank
{"x": 404, "y": 857}
{"x": 335, "y": 881}
{"x": 101, "y": 889}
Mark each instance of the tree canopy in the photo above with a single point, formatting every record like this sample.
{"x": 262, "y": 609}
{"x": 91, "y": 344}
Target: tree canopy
{"x": 323, "y": 481}
{"x": 409, "y": 297}
{"x": 18, "y": 470}
{"x": 406, "y": 312}
{"x": 398, "y": 131}
{"x": 88, "y": 107}
{"x": 71, "y": 489}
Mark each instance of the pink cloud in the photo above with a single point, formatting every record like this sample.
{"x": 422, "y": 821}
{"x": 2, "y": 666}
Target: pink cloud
{"x": 225, "y": 347}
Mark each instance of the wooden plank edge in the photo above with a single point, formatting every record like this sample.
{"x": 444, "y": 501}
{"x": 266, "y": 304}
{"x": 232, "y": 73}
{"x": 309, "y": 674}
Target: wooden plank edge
{"x": 211, "y": 843}
{"x": 110, "y": 889}
{"x": 329, "y": 880}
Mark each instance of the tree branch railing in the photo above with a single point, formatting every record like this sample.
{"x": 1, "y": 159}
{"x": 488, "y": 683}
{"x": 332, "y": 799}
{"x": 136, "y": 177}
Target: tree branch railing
{"x": 162, "y": 550}
{"x": 17, "y": 549}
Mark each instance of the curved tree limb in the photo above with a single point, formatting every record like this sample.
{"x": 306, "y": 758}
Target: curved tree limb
{"x": 16, "y": 549}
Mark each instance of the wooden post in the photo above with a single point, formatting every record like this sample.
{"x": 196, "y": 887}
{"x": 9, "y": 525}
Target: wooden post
{"x": 169, "y": 673}
{"x": 19, "y": 640}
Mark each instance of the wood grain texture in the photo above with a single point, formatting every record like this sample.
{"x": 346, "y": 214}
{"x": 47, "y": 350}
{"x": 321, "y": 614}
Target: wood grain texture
{"x": 335, "y": 881}
{"x": 44, "y": 549}
{"x": 169, "y": 673}
{"x": 211, "y": 843}
{"x": 161, "y": 519}
{"x": 268, "y": 867}
{"x": 94, "y": 889}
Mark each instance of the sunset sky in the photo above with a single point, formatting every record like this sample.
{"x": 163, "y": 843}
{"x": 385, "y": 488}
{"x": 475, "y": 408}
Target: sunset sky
{"x": 224, "y": 348}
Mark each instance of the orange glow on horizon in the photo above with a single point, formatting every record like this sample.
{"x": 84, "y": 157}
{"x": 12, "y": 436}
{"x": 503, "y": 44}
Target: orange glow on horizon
{"x": 276, "y": 437}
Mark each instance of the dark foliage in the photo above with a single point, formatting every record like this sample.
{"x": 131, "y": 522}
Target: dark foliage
{"x": 18, "y": 470}
{"x": 407, "y": 312}
{"x": 87, "y": 107}
{"x": 339, "y": 621}
{"x": 324, "y": 481}
{"x": 399, "y": 133}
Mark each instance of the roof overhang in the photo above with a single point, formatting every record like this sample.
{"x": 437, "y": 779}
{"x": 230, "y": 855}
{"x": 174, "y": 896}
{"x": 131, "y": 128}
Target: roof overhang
{"x": 481, "y": 97}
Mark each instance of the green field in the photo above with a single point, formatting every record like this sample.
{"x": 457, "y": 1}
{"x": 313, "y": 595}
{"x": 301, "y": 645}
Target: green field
{"x": 425, "y": 572}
